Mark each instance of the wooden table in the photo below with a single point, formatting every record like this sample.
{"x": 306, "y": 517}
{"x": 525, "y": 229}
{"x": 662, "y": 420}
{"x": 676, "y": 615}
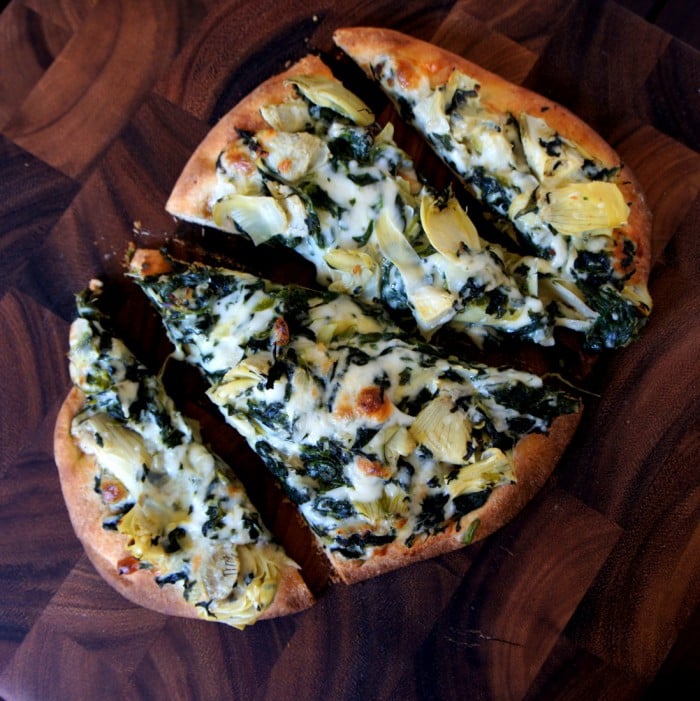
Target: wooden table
{"x": 590, "y": 593}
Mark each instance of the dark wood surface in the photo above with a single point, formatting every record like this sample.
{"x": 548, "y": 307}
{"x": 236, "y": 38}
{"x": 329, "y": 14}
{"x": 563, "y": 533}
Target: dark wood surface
{"x": 590, "y": 593}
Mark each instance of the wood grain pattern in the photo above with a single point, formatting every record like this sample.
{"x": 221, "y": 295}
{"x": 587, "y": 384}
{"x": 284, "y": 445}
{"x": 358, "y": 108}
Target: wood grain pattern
{"x": 73, "y": 113}
{"x": 29, "y": 44}
{"x": 592, "y": 592}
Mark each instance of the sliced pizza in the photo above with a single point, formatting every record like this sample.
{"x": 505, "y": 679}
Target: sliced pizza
{"x": 391, "y": 450}
{"x": 161, "y": 517}
{"x": 547, "y": 178}
{"x": 302, "y": 162}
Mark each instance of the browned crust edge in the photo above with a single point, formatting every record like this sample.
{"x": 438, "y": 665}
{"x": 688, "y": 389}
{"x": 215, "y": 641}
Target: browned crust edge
{"x": 189, "y": 197}
{"x": 536, "y": 455}
{"x": 105, "y": 548}
{"x": 366, "y": 44}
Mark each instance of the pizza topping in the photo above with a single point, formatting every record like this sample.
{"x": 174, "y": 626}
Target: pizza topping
{"x": 448, "y": 228}
{"x": 331, "y": 94}
{"x": 182, "y": 515}
{"x": 443, "y": 429}
{"x": 555, "y": 200}
{"x": 578, "y": 208}
{"x": 432, "y": 306}
{"x": 372, "y": 403}
{"x": 259, "y": 217}
{"x": 336, "y": 188}
{"x": 128, "y": 565}
{"x": 292, "y": 115}
{"x": 364, "y": 429}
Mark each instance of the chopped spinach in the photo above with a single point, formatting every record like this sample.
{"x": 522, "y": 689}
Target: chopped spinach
{"x": 337, "y": 508}
{"x": 552, "y": 146}
{"x": 364, "y": 238}
{"x": 252, "y": 525}
{"x": 364, "y": 436}
{"x": 354, "y": 546}
{"x": 595, "y": 268}
{"x": 172, "y": 578}
{"x": 270, "y": 414}
{"x": 461, "y": 97}
{"x": 489, "y": 189}
{"x": 596, "y": 171}
{"x": 363, "y": 179}
{"x": 412, "y": 405}
{"x": 352, "y": 144}
{"x": 321, "y": 199}
{"x": 442, "y": 141}
{"x": 325, "y": 461}
{"x": 618, "y": 321}
{"x": 171, "y": 543}
{"x": 498, "y": 302}
{"x": 465, "y": 503}
{"x": 540, "y": 402}
{"x": 431, "y": 518}
{"x": 214, "y": 521}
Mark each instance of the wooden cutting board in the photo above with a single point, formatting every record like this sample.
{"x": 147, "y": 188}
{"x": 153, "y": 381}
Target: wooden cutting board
{"x": 590, "y": 593}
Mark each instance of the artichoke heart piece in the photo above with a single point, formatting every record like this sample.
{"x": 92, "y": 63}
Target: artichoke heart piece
{"x": 495, "y": 468}
{"x": 444, "y": 429}
{"x": 327, "y": 333}
{"x": 146, "y": 524}
{"x": 393, "y": 503}
{"x": 254, "y": 585}
{"x": 116, "y": 448}
{"x": 235, "y": 382}
{"x": 399, "y": 443}
{"x": 292, "y": 155}
{"x": 290, "y": 116}
{"x": 545, "y": 162}
{"x": 256, "y": 215}
{"x": 448, "y": 227}
{"x": 350, "y": 261}
{"x": 220, "y": 572}
{"x": 329, "y": 93}
{"x": 580, "y": 207}
{"x": 567, "y": 293}
{"x": 433, "y": 306}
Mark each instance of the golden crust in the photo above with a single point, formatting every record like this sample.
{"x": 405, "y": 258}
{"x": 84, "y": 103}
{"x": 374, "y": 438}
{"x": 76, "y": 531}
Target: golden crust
{"x": 190, "y": 196}
{"x": 536, "y": 455}
{"x": 416, "y": 59}
{"x": 105, "y": 548}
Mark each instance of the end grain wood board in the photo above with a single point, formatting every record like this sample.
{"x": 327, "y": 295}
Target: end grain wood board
{"x": 591, "y": 592}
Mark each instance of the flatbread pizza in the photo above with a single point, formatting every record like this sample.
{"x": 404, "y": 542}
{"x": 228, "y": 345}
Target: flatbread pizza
{"x": 389, "y": 447}
{"x": 312, "y": 170}
{"x": 161, "y": 517}
{"x": 545, "y": 176}
{"x": 392, "y": 450}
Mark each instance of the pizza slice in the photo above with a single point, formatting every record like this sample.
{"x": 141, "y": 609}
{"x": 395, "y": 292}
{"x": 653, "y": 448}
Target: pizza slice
{"x": 301, "y": 162}
{"x": 391, "y": 450}
{"x": 161, "y": 517}
{"x": 547, "y": 178}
